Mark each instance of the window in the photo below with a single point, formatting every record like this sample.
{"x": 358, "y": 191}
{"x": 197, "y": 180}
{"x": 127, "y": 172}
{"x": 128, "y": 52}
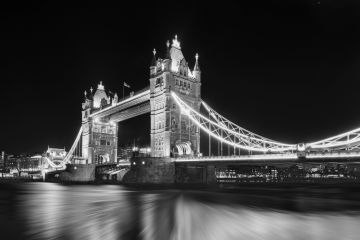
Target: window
{"x": 102, "y": 142}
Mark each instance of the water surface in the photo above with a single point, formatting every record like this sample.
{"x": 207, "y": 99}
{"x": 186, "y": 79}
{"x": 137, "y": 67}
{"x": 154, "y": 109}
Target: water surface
{"x": 55, "y": 211}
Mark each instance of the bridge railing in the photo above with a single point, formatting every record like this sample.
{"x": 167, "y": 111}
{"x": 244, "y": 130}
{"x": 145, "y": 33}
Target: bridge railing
{"x": 245, "y": 157}
{"x": 309, "y": 155}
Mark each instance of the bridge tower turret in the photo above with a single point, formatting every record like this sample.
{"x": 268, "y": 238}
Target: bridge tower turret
{"x": 172, "y": 133}
{"x": 99, "y": 136}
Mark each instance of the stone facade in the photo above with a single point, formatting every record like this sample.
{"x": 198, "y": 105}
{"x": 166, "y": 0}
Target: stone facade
{"x": 172, "y": 133}
{"x": 78, "y": 173}
{"x": 151, "y": 170}
{"x": 169, "y": 127}
{"x": 99, "y": 136}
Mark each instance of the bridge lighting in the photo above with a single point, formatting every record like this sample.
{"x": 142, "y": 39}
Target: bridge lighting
{"x": 174, "y": 66}
{"x": 134, "y": 163}
{"x": 260, "y": 142}
{"x": 301, "y": 147}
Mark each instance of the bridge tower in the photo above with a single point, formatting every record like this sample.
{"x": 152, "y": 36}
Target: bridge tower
{"x": 99, "y": 136}
{"x": 172, "y": 133}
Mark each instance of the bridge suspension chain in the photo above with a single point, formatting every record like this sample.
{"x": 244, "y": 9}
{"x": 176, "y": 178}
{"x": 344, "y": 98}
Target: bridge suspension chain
{"x": 75, "y": 146}
{"x": 227, "y": 132}
{"x": 345, "y": 141}
{"x": 69, "y": 155}
{"x": 246, "y": 134}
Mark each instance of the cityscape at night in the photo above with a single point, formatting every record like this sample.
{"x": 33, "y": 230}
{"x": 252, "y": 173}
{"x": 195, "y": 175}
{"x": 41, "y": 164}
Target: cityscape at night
{"x": 180, "y": 121}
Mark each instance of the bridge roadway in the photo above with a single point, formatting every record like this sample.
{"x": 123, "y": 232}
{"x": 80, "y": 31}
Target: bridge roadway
{"x": 342, "y": 156}
{"x": 130, "y": 107}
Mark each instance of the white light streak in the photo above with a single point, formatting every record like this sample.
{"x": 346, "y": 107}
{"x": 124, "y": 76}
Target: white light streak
{"x": 258, "y": 148}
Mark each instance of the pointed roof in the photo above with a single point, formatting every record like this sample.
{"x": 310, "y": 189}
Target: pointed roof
{"x": 153, "y": 61}
{"x": 176, "y": 54}
{"x": 167, "y": 55}
{"x": 175, "y": 43}
{"x": 99, "y": 95}
{"x": 197, "y": 66}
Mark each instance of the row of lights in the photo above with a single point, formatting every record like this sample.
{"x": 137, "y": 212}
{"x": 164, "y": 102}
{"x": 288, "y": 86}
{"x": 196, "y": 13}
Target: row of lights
{"x": 143, "y": 163}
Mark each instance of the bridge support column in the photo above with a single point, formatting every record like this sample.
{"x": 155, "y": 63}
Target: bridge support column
{"x": 209, "y": 174}
{"x": 99, "y": 141}
{"x": 171, "y": 130}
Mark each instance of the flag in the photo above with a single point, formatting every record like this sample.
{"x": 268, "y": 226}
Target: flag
{"x": 126, "y": 85}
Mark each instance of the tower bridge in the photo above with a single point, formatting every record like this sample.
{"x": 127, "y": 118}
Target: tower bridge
{"x": 173, "y": 99}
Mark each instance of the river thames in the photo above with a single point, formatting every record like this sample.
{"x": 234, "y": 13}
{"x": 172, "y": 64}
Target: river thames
{"x": 56, "y": 211}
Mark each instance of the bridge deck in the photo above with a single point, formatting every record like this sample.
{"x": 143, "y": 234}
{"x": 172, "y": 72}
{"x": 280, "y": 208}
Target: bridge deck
{"x": 275, "y": 157}
{"x": 130, "y": 107}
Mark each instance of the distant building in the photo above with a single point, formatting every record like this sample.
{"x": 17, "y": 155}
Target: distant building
{"x": 128, "y": 152}
{"x": 2, "y": 160}
{"x": 125, "y": 153}
{"x": 56, "y": 155}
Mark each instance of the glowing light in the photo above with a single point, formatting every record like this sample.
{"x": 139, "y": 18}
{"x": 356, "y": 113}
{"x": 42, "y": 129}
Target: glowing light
{"x": 341, "y": 140}
{"x": 240, "y": 158}
{"x": 175, "y": 66}
{"x": 162, "y": 67}
{"x": 100, "y": 86}
{"x": 176, "y": 43}
{"x": 240, "y": 131}
{"x": 128, "y": 100}
{"x": 143, "y": 162}
{"x": 191, "y": 74}
{"x": 186, "y": 109}
{"x": 301, "y": 147}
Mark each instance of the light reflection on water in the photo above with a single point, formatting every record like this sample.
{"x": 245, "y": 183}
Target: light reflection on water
{"x": 54, "y": 211}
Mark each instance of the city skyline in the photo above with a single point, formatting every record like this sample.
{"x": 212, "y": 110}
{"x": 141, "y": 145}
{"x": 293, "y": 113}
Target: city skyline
{"x": 288, "y": 71}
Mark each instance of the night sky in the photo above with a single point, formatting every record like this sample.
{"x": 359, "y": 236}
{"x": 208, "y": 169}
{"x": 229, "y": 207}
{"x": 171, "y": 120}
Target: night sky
{"x": 288, "y": 70}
